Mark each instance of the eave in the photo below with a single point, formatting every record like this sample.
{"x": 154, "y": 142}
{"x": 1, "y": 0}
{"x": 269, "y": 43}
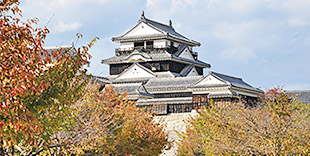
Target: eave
{"x": 155, "y": 37}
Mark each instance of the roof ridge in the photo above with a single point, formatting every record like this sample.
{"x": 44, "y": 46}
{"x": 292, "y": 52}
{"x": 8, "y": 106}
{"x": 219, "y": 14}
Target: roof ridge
{"x": 180, "y": 49}
{"x": 149, "y": 20}
{"x": 225, "y": 75}
{"x": 183, "y": 77}
{"x": 187, "y": 69}
{"x": 168, "y": 32}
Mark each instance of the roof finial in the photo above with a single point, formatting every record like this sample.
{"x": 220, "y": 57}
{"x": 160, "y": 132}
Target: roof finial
{"x": 170, "y": 23}
{"x": 142, "y": 17}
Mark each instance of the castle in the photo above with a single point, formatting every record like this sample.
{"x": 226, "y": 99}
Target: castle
{"x": 160, "y": 70}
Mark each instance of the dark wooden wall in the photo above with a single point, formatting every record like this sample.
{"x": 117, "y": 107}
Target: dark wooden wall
{"x": 156, "y": 66}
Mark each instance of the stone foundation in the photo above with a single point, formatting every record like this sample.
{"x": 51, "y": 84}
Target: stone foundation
{"x": 175, "y": 123}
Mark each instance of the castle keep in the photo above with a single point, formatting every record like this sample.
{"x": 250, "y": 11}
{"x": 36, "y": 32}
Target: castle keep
{"x": 160, "y": 70}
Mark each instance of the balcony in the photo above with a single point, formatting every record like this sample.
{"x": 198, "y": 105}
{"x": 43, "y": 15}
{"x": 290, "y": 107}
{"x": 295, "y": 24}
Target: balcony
{"x": 119, "y": 51}
{"x": 162, "y": 109}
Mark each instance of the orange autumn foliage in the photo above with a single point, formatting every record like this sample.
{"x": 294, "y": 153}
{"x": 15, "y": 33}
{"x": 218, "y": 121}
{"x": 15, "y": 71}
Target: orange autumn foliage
{"x": 108, "y": 123}
{"x": 280, "y": 125}
{"x": 21, "y": 63}
{"x": 34, "y": 97}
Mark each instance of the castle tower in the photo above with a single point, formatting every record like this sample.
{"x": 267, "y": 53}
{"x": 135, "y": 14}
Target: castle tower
{"x": 157, "y": 47}
{"x": 156, "y": 64}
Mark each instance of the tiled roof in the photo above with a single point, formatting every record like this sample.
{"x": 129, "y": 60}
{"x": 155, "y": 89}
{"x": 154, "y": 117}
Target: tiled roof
{"x": 186, "y": 70}
{"x": 197, "y": 62}
{"x": 131, "y": 80}
{"x": 302, "y": 95}
{"x": 155, "y": 56}
{"x": 229, "y": 81}
{"x": 101, "y": 80}
{"x": 139, "y": 52}
{"x": 166, "y": 74}
{"x": 165, "y": 28}
{"x": 180, "y": 49}
{"x": 167, "y": 32}
{"x": 178, "y": 82}
{"x": 164, "y": 84}
{"x": 132, "y": 89}
{"x": 234, "y": 81}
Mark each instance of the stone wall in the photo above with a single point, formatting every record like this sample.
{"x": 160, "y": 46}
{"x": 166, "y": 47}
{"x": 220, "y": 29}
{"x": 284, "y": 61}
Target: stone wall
{"x": 175, "y": 123}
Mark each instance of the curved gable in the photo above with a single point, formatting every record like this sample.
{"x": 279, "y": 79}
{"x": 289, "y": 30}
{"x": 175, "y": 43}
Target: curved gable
{"x": 136, "y": 71}
{"x": 210, "y": 80}
{"x": 193, "y": 72}
{"x": 142, "y": 29}
{"x": 186, "y": 54}
{"x": 136, "y": 56}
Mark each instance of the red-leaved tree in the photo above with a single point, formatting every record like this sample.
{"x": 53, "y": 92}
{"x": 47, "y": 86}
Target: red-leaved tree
{"x": 34, "y": 97}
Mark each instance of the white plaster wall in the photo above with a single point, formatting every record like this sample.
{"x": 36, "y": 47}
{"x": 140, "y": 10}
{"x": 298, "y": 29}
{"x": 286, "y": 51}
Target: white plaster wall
{"x": 186, "y": 54}
{"x": 142, "y": 29}
{"x": 175, "y": 123}
{"x": 160, "y": 43}
{"x": 135, "y": 72}
{"x": 176, "y": 44}
{"x": 193, "y": 72}
{"x": 127, "y": 45}
{"x": 210, "y": 80}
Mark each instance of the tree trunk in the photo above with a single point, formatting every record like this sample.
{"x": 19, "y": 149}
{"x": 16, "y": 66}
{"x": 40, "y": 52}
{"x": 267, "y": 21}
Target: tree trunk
{"x": 1, "y": 147}
{"x": 13, "y": 151}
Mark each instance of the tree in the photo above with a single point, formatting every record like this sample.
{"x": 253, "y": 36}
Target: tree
{"x": 281, "y": 126}
{"x": 34, "y": 97}
{"x": 46, "y": 109}
{"x": 107, "y": 123}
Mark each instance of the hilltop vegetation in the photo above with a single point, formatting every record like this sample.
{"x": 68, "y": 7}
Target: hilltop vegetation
{"x": 280, "y": 126}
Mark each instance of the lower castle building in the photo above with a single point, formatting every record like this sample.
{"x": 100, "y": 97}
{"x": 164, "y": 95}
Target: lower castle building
{"x": 159, "y": 69}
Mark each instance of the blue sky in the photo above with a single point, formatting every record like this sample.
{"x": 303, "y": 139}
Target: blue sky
{"x": 266, "y": 42}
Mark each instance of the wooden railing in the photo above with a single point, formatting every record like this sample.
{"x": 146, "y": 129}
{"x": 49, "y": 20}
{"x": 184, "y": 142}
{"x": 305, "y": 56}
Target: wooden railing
{"x": 141, "y": 47}
{"x": 162, "y": 109}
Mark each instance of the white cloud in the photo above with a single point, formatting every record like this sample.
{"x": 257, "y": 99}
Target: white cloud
{"x": 233, "y": 32}
{"x": 62, "y": 27}
{"x": 238, "y": 54}
{"x": 298, "y": 12}
{"x": 265, "y": 34}
{"x": 241, "y": 6}
{"x": 299, "y": 22}
{"x": 99, "y": 1}
{"x": 297, "y": 7}
{"x": 173, "y": 3}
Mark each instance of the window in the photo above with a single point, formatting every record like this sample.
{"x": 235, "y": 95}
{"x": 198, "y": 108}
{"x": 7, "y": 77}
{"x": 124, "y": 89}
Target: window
{"x": 200, "y": 99}
{"x": 149, "y": 43}
{"x": 138, "y": 44}
{"x": 173, "y": 95}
